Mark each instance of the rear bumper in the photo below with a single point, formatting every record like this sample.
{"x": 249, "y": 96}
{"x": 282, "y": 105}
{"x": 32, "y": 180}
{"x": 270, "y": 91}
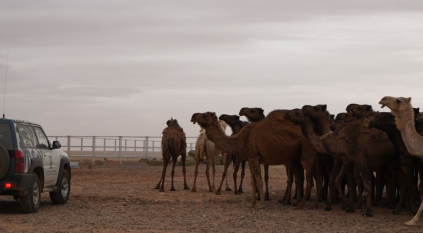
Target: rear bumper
{"x": 19, "y": 182}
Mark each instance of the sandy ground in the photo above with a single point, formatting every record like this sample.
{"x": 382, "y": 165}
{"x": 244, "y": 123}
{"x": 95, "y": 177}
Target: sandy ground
{"x": 122, "y": 198}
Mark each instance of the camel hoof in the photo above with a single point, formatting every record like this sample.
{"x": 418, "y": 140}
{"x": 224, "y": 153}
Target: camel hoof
{"x": 172, "y": 189}
{"x": 217, "y": 192}
{"x": 228, "y": 189}
{"x": 267, "y": 199}
{"x": 395, "y": 212}
{"x": 368, "y": 213}
{"x": 349, "y": 210}
{"x": 260, "y": 206}
{"x": 161, "y": 190}
{"x": 211, "y": 190}
{"x": 194, "y": 190}
{"x": 237, "y": 193}
{"x": 240, "y": 191}
{"x": 186, "y": 187}
{"x": 410, "y": 223}
{"x": 328, "y": 208}
{"x": 250, "y": 205}
{"x": 299, "y": 207}
{"x": 157, "y": 187}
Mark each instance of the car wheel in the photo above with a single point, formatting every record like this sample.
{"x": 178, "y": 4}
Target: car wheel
{"x": 61, "y": 195}
{"x": 31, "y": 201}
{"x": 4, "y": 161}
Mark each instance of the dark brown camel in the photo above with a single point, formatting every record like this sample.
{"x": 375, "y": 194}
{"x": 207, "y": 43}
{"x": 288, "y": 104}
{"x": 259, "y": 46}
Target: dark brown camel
{"x": 272, "y": 141}
{"x": 236, "y": 126}
{"x": 173, "y": 145}
{"x": 386, "y": 121}
{"x": 256, "y": 115}
{"x": 355, "y": 143}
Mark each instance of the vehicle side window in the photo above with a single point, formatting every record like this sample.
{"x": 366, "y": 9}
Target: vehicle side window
{"x": 26, "y": 136}
{"x": 6, "y": 136}
{"x": 42, "y": 139}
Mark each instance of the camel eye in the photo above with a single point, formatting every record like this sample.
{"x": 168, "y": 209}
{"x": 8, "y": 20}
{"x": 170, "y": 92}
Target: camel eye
{"x": 252, "y": 111}
{"x": 398, "y": 101}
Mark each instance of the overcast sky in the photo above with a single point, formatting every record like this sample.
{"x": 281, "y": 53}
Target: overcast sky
{"x": 125, "y": 67}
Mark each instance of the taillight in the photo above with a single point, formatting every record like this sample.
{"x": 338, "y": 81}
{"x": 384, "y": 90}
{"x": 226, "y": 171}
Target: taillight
{"x": 19, "y": 162}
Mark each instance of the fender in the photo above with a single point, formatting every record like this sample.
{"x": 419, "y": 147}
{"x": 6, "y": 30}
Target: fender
{"x": 36, "y": 162}
{"x": 63, "y": 162}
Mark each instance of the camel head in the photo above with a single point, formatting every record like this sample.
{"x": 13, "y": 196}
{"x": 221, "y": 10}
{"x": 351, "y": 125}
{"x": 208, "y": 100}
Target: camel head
{"x": 253, "y": 114}
{"x": 344, "y": 116}
{"x": 315, "y": 111}
{"x": 396, "y": 104}
{"x": 230, "y": 119}
{"x": 294, "y": 115}
{"x": 204, "y": 119}
{"x": 172, "y": 122}
{"x": 360, "y": 110}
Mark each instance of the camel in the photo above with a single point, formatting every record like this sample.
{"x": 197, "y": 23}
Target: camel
{"x": 173, "y": 145}
{"x": 354, "y": 143}
{"x": 271, "y": 141}
{"x": 256, "y": 115}
{"x": 204, "y": 146}
{"x": 402, "y": 109}
{"x": 386, "y": 121}
{"x": 236, "y": 126}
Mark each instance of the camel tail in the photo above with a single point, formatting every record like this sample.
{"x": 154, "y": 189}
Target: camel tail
{"x": 171, "y": 146}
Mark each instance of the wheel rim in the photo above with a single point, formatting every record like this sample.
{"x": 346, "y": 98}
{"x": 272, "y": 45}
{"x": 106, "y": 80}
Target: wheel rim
{"x": 65, "y": 187}
{"x": 36, "y": 193}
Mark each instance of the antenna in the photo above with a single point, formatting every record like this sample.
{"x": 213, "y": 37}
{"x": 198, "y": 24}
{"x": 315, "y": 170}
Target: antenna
{"x": 5, "y": 83}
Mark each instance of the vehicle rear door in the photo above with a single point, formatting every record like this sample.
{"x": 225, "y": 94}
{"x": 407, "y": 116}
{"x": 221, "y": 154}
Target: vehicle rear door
{"x": 50, "y": 159}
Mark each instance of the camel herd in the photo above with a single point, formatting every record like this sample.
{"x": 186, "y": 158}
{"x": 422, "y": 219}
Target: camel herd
{"x": 366, "y": 151}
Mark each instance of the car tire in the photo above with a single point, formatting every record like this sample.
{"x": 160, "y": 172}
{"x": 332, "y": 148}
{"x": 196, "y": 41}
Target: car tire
{"x": 4, "y": 161}
{"x": 31, "y": 201}
{"x": 61, "y": 195}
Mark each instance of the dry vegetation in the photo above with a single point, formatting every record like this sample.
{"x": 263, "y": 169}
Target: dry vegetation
{"x": 120, "y": 198}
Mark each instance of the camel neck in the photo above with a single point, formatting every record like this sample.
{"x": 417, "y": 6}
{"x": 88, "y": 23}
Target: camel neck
{"x": 236, "y": 128}
{"x": 308, "y": 130}
{"x": 412, "y": 140}
{"x": 220, "y": 139}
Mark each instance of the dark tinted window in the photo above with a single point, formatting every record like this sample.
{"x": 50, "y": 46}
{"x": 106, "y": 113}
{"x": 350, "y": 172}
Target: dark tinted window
{"x": 6, "y": 136}
{"x": 26, "y": 136}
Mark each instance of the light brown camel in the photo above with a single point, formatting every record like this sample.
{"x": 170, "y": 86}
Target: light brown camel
{"x": 236, "y": 126}
{"x": 205, "y": 147}
{"x": 173, "y": 145}
{"x": 402, "y": 109}
{"x": 355, "y": 143}
{"x": 271, "y": 141}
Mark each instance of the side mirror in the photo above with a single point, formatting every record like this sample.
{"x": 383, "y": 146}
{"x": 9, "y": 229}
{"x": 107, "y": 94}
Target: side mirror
{"x": 56, "y": 145}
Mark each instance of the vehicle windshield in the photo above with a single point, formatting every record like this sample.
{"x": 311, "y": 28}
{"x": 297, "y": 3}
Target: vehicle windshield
{"x": 6, "y": 136}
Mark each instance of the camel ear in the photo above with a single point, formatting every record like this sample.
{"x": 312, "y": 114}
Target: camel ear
{"x": 368, "y": 107}
{"x": 408, "y": 100}
{"x": 176, "y": 121}
{"x": 168, "y": 122}
{"x": 324, "y": 106}
{"x": 261, "y": 111}
{"x": 398, "y": 100}
{"x": 213, "y": 114}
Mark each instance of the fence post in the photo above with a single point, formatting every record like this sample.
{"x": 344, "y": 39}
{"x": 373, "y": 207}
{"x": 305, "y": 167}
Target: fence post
{"x": 126, "y": 154}
{"x": 120, "y": 149}
{"x": 82, "y": 148}
{"x": 104, "y": 148}
{"x": 135, "y": 148}
{"x": 68, "y": 146}
{"x": 146, "y": 148}
{"x": 93, "y": 148}
{"x": 115, "y": 150}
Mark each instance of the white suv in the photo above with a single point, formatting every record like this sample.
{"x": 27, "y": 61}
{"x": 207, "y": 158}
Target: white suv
{"x": 30, "y": 165}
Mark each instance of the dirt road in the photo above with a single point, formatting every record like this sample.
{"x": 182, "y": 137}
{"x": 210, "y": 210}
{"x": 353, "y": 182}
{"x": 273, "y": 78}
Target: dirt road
{"x": 121, "y": 198}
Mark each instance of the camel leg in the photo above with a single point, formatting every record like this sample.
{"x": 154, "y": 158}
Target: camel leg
{"x": 242, "y": 176}
{"x": 209, "y": 161}
{"x": 165, "y": 163}
{"x": 298, "y": 177}
{"x": 338, "y": 181}
{"x": 253, "y": 187}
{"x": 234, "y": 175}
{"x": 174, "y": 160}
{"x": 319, "y": 185}
{"x": 336, "y": 167}
{"x": 416, "y": 217}
{"x": 184, "y": 170}
{"x": 194, "y": 186}
{"x": 360, "y": 186}
{"x": 286, "y": 199}
{"x": 225, "y": 157}
{"x": 257, "y": 181}
{"x": 225, "y": 170}
{"x": 266, "y": 180}
{"x": 403, "y": 192}
{"x": 309, "y": 179}
{"x": 366, "y": 174}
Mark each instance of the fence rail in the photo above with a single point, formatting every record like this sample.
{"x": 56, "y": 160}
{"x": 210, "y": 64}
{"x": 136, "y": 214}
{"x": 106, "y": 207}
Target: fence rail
{"x": 117, "y": 147}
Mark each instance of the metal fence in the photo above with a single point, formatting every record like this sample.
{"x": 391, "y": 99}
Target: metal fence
{"x": 114, "y": 147}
